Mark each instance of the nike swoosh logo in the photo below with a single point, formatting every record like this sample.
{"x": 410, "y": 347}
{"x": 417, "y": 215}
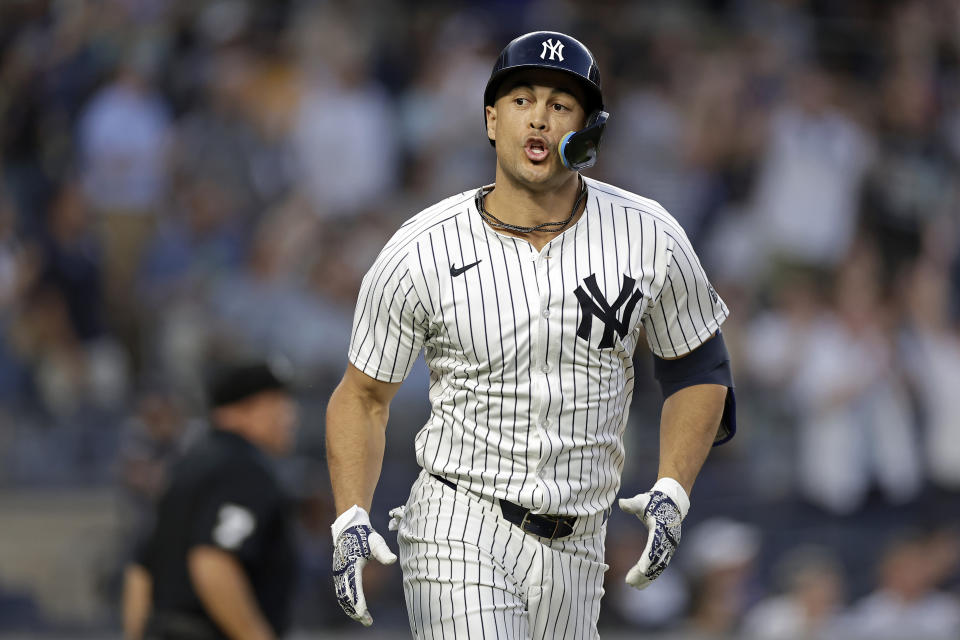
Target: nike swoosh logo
{"x": 455, "y": 271}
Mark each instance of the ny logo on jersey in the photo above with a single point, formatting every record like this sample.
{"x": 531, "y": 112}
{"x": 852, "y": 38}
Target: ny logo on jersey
{"x": 594, "y": 304}
{"x": 553, "y": 48}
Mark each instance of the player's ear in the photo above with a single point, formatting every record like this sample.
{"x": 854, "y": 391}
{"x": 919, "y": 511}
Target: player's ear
{"x": 491, "y": 113}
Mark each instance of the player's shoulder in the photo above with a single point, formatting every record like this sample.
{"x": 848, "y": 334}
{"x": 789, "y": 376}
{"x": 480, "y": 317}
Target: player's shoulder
{"x": 631, "y": 202}
{"x": 431, "y": 218}
{"x": 437, "y": 214}
{"x": 404, "y": 247}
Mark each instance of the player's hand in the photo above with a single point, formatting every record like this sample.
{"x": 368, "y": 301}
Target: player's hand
{"x": 661, "y": 509}
{"x": 354, "y": 542}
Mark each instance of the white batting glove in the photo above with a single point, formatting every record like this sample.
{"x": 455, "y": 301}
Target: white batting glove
{"x": 354, "y": 541}
{"x": 661, "y": 509}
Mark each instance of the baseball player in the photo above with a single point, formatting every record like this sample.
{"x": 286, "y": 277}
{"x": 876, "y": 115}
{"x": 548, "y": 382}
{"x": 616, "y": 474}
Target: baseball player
{"x": 528, "y": 298}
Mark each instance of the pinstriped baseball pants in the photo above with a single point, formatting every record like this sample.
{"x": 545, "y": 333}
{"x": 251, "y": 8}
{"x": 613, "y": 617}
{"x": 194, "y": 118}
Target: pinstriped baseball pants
{"x": 469, "y": 573}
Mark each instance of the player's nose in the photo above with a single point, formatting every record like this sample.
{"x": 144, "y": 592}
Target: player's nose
{"x": 538, "y": 118}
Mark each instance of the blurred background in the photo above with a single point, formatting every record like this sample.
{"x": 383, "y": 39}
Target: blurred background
{"x": 185, "y": 179}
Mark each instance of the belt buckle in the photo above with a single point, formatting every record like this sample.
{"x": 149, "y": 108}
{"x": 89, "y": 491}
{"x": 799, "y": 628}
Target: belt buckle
{"x": 526, "y": 518}
{"x": 523, "y": 522}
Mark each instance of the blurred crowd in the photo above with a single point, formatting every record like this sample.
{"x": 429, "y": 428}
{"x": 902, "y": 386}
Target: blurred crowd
{"x": 185, "y": 180}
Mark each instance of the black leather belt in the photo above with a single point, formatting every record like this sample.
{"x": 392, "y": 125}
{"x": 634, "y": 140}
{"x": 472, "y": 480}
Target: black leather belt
{"x": 542, "y": 525}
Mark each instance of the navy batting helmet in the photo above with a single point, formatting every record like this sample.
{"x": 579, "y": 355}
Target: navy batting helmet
{"x": 548, "y": 50}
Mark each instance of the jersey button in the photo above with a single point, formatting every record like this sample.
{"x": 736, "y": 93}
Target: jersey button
{"x": 545, "y": 368}
{"x": 546, "y": 313}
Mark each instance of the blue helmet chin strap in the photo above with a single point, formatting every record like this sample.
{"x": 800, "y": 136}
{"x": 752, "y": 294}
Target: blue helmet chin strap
{"x": 578, "y": 149}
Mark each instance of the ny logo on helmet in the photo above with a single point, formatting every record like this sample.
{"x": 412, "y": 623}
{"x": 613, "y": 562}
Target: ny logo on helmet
{"x": 555, "y": 48}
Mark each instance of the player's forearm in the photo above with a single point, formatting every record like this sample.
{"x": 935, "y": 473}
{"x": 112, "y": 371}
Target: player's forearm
{"x": 137, "y": 589}
{"x": 226, "y": 594}
{"x": 356, "y": 437}
{"x": 688, "y": 426}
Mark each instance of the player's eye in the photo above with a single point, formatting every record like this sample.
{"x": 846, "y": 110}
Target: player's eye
{"x": 560, "y": 107}
{"x": 520, "y": 101}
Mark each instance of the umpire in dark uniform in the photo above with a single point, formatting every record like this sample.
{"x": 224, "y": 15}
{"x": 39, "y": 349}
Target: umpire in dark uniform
{"x": 220, "y": 561}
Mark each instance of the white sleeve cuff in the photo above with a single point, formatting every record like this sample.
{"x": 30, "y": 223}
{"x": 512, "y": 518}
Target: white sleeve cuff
{"x": 675, "y": 491}
{"x": 351, "y": 517}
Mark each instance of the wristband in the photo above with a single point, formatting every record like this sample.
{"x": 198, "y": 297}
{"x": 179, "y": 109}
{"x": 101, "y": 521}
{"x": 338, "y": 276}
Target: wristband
{"x": 351, "y": 517}
{"x": 675, "y": 491}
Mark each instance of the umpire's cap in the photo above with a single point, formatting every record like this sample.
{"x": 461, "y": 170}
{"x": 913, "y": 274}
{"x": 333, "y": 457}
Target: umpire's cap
{"x": 234, "y": 382}
{"x": 548, "y": 50}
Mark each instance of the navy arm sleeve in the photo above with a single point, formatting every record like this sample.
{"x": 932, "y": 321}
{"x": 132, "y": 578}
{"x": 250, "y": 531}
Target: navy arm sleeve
{"x": 708, "y": 364}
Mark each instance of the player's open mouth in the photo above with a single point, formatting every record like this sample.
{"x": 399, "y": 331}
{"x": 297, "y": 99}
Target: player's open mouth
{"x": 537, "y": 149}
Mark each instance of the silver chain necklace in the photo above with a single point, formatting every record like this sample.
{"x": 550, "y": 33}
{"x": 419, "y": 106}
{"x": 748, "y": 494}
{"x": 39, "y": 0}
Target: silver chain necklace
{"x": 497, "y": 223}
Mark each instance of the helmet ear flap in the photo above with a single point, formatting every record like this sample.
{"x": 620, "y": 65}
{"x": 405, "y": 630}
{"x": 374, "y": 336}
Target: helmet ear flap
{"x": 578, "y": 149}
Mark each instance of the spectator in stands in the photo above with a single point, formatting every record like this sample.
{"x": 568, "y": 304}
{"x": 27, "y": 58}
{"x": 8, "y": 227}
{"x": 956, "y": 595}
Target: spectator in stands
{"x": 346, "y": 133}
{"x": 930, "y": 348}
{"x": 61, "y": 331}
{"x": 855, "y": 425}
{"x": 810, "y": 601}
{"x": 720, "y": 557}
{"x": 906, "y": 602}
{"x": 123, "y": 138}
{"x": 806, "y": 196}
{"x": 200, "y": 243}
{"x": 223, "y": 139}
{"x": 439, "y": 106}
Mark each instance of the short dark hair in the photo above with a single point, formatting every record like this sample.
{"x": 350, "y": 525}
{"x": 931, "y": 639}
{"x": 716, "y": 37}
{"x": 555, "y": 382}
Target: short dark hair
{"x": 232, "y": 383}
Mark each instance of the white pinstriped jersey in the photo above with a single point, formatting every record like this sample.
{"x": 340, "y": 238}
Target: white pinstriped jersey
{"x": 530, "y": 353}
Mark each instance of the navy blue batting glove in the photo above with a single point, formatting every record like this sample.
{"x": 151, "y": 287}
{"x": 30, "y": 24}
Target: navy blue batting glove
{"x": 354, "y": 542}
{"x": 662, "y": 510}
